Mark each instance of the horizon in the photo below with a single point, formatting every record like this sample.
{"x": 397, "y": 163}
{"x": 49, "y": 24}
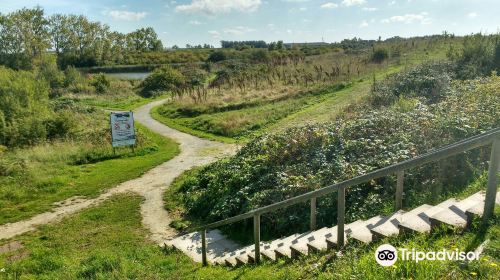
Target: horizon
{"x": 197, "y": 22}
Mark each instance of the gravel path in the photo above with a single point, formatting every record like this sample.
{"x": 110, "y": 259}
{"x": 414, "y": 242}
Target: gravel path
{"x": 194, "y": 152}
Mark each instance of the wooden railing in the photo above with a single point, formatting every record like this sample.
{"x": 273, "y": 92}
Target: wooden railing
{"x": 491, "y": 137}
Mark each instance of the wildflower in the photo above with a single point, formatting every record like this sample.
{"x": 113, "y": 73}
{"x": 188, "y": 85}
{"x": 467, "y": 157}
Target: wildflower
{"x": 473, "y": 273}
{"x": 493, "y": 264}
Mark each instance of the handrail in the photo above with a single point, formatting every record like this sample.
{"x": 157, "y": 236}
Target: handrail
{"x": 490, "y": 137}
{"x": 434, "y": 155}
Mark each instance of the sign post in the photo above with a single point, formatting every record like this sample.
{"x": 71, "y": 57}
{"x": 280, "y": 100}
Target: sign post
{"x": 122, "y": 129}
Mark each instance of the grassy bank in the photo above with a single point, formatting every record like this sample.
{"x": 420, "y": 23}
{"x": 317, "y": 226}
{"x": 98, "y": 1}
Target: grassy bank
{"x": 238, "y": 115}
{"x": 37, "y": 177}
{"x": 108, "y": 242}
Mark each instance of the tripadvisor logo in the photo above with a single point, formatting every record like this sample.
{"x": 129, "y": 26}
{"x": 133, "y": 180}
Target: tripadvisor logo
{"x": 387, "y": 255}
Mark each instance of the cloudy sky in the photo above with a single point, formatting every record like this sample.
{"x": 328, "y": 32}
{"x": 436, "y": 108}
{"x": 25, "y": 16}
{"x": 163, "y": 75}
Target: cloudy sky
{"x": 209, "y": 21}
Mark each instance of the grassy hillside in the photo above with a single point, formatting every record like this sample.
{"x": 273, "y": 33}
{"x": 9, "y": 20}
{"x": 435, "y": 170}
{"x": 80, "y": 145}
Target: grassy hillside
{"x": 108, "y": 242}
{"x": 252, "y": 99}
{"x": 432, "y": 112}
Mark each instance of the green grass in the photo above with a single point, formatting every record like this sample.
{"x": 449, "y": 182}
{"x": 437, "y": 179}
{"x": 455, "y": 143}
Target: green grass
{"x": 49, "y": 174}
{"x": 108, "y": 242}
{"x": 118, "y": 102}
{"x": 245, "y": 121}
{"x": 173, "y": 124}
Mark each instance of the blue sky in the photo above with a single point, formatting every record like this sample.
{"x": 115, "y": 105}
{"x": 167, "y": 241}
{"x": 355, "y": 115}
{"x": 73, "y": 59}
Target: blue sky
{"x": 209, "y": 21}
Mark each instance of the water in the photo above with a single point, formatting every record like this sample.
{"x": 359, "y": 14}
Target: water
{"x": 130, "y": 76}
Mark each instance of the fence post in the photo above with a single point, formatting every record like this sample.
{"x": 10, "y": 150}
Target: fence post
{"x": 399, "y": 190}
{"x": 313, "y": 214}
{"x": 204, "y": 247}
{"x": 256, "y": 236}
{"x": 340, "y": 217}
{"x": 491, "y": 191}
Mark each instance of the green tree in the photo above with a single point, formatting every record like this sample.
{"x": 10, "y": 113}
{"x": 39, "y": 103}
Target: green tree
{"x": 163, "y": 79}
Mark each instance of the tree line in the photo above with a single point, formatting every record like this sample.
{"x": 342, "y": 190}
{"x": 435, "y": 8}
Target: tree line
{"x": 27, "y": 34}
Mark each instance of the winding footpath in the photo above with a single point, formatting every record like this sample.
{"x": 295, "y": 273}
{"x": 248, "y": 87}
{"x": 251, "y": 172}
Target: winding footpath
{"x": 151, "y": 185}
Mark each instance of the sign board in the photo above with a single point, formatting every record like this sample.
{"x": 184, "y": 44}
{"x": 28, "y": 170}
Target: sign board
{"x": 122, "y": 129}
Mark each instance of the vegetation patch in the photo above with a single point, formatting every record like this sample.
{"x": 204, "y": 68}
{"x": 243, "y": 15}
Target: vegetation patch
{"x": 35, "y": 178}
{"x": 275, "y": 167}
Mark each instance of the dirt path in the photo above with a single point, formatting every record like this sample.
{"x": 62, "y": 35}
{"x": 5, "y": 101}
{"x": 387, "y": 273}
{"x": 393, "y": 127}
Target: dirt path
{"x": 194, "y": 152}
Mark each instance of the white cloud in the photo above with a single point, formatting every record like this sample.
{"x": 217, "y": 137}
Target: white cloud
{"x": 329, "y": 5}
{"x": 194, "y": 22}
{"x": 212, "y": 7}
{"x": 391, "y": 3}
{"x": 348, "y": 3}
{"x": 126, "y": 15}
{"x": 409, "y": 18}
{"x": 238, "y": 30}
{"x": 472, "y": 15}
{"x": 363, "y": 24}
{"x": 370, "y": 9}
{"x": 215, "y": 34}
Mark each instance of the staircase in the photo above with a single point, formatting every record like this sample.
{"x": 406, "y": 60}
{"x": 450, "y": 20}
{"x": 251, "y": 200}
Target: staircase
{"x": 422, "y": 219}
{"x": 210, "y": 246}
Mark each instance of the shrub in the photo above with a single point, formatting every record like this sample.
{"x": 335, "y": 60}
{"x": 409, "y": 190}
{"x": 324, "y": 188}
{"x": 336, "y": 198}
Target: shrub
{"x": 429, "y": 82}
{"x": 217, "y": 56}
{"x": 478, "y": 56}
{"x": 379, "y": 55}
{"x": 162, "y": 79}
{"x": 101, "y": 83}
{"x": 23, "y": 108}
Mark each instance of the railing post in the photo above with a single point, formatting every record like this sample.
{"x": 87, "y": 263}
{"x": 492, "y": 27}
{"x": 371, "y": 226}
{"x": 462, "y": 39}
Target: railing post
{"x": 491, "y": 191}
{"x": 399, "y": 190}
{"x": 256, "y": 236}
{"x": 204, "y": 247}
{"x": 340, "y": 217}
{"x": 313, "y": 214}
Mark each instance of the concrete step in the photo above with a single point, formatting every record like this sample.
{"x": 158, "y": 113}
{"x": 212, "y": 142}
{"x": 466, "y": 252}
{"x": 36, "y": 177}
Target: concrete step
{"x": 478, "y": 209}
{"x": 268, "y": 251}
{"x": 362, "y": 233}
{"x": 389, "y": 226}
{"x": 231, "y": 258}
{"x": 286, "y": 251}
{"x": 190, "y": 244}
{"x": 455, "y": 214}
{"x": 330, "y": 240}
{"x": 300, "y": 248}
{"x": 418, "y": 221}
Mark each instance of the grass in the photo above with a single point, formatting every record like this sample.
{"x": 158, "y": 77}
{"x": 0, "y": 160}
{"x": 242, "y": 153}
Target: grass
{"x": 49, "y": 173}
{"x": 237, "y": 117}
{"x": 202, "y": 134}
{"x": 125, "y": 103}
{"x": 108, "y": 242}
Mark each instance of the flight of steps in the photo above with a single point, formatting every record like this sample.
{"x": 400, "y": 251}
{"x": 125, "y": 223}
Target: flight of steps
{"x": 421, "y": 219}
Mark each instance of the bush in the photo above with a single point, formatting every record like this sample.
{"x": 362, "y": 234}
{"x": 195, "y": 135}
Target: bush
{"x": 62, "y": 125}
{"x": 162, "y": 79}
{"x": 101, "y": 83}
{"x": 478, "y": 56}
{"x": 379, "y": 55}
{"x": 23, "y": 108}
{"x": 47, "y": 69}
{"x": 217, "y": 56}
{"x": 429, "y": 82}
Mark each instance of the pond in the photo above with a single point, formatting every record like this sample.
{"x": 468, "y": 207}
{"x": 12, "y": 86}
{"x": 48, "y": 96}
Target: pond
{"x": 130, "y": 75}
